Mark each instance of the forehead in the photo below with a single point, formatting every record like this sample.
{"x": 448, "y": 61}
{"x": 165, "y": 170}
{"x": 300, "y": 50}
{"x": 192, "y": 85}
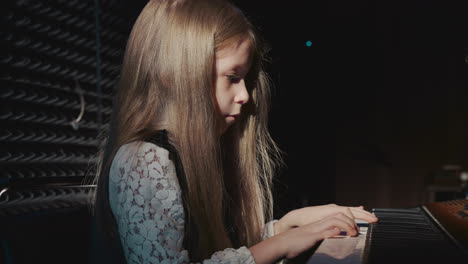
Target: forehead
{"x": 235, "y": 55}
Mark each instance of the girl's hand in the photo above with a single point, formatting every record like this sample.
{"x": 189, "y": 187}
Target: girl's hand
{"x": 306, "y": 215}
{"x": 300, "y": 239}
{"x": 294, "y": 241}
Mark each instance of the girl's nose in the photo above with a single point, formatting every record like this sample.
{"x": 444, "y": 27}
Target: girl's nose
{"x": 242, "y": 95}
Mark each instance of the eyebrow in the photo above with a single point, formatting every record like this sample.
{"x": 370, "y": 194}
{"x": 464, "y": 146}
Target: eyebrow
{"x": 238, "y": 68}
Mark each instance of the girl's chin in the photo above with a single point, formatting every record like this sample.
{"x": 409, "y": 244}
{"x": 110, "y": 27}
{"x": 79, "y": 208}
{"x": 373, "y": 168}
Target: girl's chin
{"x": 230, "y": 119}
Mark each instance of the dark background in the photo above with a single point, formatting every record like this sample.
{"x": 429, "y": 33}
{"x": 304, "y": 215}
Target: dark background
{"x": 375, "y": 107}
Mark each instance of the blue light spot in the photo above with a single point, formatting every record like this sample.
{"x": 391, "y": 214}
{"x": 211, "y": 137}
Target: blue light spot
{"x": 308, "y": 43}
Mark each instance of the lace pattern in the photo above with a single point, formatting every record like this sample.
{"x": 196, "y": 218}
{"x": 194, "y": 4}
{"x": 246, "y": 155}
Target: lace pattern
{"x": 145, "y": 198}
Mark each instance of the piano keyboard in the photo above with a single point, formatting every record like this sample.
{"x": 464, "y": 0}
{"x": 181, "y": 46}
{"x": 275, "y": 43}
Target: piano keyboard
{"x": 416, "y": 235}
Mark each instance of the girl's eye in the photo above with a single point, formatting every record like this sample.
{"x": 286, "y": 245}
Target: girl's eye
{"x": 233, "y": 78}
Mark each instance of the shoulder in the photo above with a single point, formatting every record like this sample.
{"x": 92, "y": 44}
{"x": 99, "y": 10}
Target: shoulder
{"x": 142, "y": 160}
{"x": 141, "y": 151}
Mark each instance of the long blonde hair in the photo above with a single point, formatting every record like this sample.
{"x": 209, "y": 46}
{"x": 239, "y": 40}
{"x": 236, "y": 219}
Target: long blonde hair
{"x": 168, "y": 71}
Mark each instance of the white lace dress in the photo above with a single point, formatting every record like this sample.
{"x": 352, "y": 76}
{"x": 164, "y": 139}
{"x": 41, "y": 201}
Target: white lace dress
{"x": 145, "y": 198}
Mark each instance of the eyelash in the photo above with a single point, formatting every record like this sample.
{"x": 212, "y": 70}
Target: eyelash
{"x": 233, "y": 78}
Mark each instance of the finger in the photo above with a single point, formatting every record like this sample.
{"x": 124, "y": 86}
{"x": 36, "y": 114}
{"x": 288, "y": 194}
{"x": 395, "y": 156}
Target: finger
{"x": 349, "y": 220}
{"x": 349, "y": 214}
{"x": 360, "y": 208}
{"x": 361, "y": 211}
{"x": 330, "y": 233}
{"x": 338, "y": 220}
{"x": 343, "y": 222}
{"x": 346, "y": 211}
{"x": 364, "y": 215}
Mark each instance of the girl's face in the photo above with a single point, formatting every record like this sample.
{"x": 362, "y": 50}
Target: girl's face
{"x": 232, "y": 65}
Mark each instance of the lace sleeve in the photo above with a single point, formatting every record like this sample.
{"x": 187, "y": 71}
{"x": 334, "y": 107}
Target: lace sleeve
{"x": 145, "y": 198}
{"x": 268, "y": 229}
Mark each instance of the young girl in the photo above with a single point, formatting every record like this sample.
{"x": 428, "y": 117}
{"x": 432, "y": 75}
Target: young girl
{"x": 186, "y": 171}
